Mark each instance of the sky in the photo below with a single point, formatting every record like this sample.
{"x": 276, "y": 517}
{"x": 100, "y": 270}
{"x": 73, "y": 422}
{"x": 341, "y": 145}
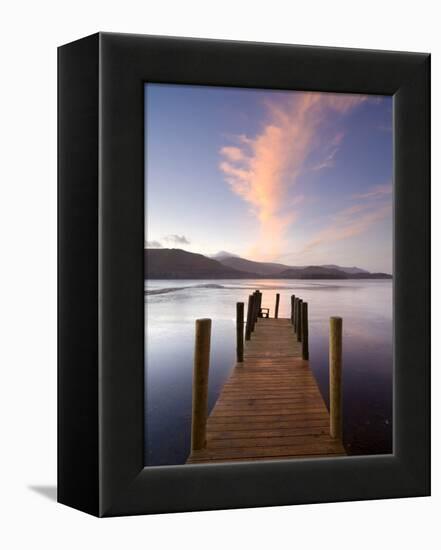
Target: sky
{"x": 301, "y": 178}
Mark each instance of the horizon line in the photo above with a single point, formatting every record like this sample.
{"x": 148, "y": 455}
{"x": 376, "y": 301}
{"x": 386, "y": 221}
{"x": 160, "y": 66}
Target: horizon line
{"x": 231, "y": 255}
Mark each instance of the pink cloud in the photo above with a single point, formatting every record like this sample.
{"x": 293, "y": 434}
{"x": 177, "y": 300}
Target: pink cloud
{"x": 262, "y": 169}
{"x": 233, "y": 154}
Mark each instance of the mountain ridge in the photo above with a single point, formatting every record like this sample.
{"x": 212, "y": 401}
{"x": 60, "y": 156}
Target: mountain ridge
{"x": 272, "y": 268}
{"x": 175, "y": 263}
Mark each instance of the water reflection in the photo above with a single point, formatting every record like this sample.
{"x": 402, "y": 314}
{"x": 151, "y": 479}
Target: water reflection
{"x": 171, "y": 308}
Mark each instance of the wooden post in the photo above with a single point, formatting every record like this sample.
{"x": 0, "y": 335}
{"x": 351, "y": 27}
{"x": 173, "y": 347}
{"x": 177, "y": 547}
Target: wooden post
{"x": 299, "y": 320}
{"x": 249, "y": 317}
{"x": 200, "y": 384}
{"x": 239, "y": 331}
{"x": 305, "y": 346}
{"x": 254, "y": 313}
{"x": 276, "y": 310}
{"x": 296, "y": 307}
{"x": 258, "y": 302}
{"x": 335, "y": 364}
{"x": 292, "y": 308}
{"x": 294, "y": 314}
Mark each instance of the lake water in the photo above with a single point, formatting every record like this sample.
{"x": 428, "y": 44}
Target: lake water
{"x": 172, "y": 306}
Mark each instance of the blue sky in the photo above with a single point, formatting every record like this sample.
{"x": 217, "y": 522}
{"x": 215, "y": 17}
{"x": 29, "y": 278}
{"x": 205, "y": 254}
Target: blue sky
{"x": 298, "y": 177}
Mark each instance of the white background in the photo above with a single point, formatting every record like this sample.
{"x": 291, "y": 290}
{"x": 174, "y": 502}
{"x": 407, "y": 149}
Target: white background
{"x": 30, "y": 34}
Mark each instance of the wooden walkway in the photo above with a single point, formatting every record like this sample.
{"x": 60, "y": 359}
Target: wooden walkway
{"x": 270, "y": 407}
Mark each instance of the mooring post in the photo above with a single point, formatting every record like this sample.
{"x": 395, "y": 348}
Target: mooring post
{"x": 294, "y": 319}
{"x": 239, "y": 331}
{"x": 250, "y": 310}
{"x": 299, "y": 320}
{"x": 276, "y": 310}
{"x": 305, "y": 346}
{"x": 292, "y": 308}
{"x": 254, "y": 312}
{"x": 200, "y": 384}
{"x": 335, "y": 366}
{"x": 258, "y": 302}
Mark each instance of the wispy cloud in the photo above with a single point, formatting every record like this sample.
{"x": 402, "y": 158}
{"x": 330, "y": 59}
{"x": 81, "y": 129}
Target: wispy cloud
{"x": 376, "y": 192}
{"x": 262, "y": 169}
{"x": 177, "y": 239}
{"x": 330, "y": 153}
{"x": 384, "y": 127}
{"x": 172, "y": 238}
{"x": 355, "y": 219}
{"x": 232, "y": 154}
{"x": 152, "y": 244}
{"x": 347, "y": 224}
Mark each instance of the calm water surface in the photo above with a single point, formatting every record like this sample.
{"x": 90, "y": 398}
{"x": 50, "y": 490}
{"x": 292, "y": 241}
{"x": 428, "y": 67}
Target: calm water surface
{"x": 172, "y": 306}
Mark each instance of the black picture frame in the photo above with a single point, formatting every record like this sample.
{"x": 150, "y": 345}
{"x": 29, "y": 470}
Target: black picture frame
{"x": 101, "y": 289}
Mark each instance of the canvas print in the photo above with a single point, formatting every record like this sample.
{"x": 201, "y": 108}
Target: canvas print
{"x": 268, "y": 275}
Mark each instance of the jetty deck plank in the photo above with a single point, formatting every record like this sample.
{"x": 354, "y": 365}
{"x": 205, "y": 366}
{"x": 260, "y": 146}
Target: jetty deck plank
{"x": 271, "y": 406}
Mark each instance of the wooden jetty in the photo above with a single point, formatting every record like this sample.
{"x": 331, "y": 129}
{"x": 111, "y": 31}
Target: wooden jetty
{"x": 270, "y": 407}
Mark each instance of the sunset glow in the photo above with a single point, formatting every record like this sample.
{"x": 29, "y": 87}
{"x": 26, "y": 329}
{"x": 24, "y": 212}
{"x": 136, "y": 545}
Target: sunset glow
{"x": 302, "y": 178}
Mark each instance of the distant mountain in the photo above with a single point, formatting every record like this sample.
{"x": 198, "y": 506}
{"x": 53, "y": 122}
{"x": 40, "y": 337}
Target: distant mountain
{"x": 367, "y": 275}
{"x": 261, "y": 268}
{"x": 281, "y": 270}
{"x": 322, "y": 272}
{"x": 221, "y": 255}
{"x": 313, "y": 272}
{"x": 350, "y": 270}
{"x": 174, "y": 263}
